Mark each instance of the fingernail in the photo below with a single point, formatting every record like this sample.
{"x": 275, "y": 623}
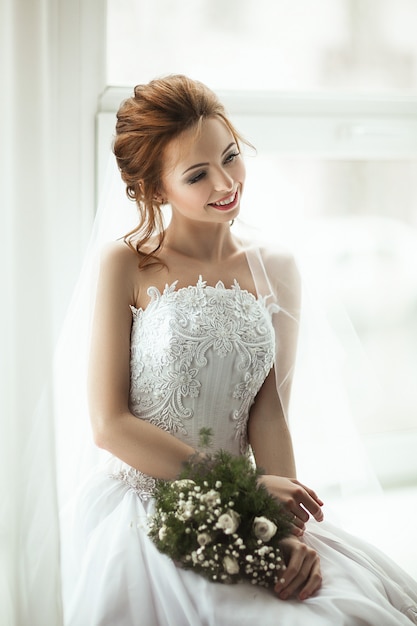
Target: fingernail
{"x": 283, "y": 595}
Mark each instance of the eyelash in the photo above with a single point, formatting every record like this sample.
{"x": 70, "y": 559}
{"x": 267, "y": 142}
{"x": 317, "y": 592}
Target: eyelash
{"x": 229, "y": 159}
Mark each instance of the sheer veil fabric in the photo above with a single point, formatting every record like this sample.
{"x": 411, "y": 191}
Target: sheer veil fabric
{"x": 310, "y": 363}
{"x": 314, "y": 362}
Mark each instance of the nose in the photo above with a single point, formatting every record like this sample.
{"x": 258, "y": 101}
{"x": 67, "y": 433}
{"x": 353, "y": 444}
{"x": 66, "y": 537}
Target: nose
{"x": 222, "y": 180}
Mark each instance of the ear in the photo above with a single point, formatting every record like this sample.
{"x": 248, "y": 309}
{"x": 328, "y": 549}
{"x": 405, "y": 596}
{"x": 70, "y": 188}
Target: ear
{"x": 159, "y": 197}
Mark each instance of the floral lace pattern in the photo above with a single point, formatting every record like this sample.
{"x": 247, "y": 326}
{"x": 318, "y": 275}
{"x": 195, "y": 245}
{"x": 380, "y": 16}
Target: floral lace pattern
{"x": 142, "y": 484}
{"x": 196, "y": 352}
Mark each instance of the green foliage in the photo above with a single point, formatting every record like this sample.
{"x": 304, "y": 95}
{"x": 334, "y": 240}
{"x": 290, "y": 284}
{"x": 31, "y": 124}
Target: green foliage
{"x": 205, "y": 520}
{"x": 206, "y": 435}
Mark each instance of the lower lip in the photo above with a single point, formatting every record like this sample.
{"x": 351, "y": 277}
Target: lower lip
{"x": 227, "y": 207}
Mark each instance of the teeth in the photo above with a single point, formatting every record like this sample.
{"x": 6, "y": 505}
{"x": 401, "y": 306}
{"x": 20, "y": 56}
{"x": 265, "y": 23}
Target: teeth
{"x": 228, "y": 200}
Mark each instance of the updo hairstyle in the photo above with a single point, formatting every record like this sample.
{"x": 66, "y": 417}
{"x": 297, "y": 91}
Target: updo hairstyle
{"x": 157, "y": 113}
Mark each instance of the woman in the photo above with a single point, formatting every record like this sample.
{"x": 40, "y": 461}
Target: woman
{"x": 183, "y": 339}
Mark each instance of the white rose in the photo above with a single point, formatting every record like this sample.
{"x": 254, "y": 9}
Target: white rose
{"x": 228, "y": 522}
{"x": 211, "y": 498}
{"x": 162, "y": 533}
{"x": 182, "y": 484}
{"x": 230, "y": 565}
{"x": 263, "y": 528}
{"x": 185, "y": 511}
{"x": 203, "y": 539}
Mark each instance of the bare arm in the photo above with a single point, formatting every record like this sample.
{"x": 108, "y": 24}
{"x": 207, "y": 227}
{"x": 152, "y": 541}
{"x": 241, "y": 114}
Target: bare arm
{"x": 136, "y": 442}
{"x": 272, "y": 447}
{"x": 268, "y": 432}
{"x": 271, "y": 443}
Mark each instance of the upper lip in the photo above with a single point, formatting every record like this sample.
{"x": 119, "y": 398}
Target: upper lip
{"x": 229, "y": 197}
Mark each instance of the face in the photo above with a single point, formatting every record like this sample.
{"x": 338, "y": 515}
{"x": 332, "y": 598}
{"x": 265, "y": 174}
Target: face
{"x": 203, "y": 177}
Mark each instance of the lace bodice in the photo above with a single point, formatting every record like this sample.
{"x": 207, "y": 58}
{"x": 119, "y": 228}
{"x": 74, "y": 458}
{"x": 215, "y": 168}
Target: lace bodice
{"x": 199, "y": 355}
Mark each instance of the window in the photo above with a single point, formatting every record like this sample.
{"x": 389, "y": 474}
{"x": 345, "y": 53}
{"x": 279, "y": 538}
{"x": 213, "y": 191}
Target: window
{"x": 266, "y": 45}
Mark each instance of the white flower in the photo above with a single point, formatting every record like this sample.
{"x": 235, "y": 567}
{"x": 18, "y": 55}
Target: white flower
{"x": 162, "y": 533}
{"x": 263, "y": 528}
{"x": 230, "y": 565}
{"x": 228, "y": 522}
{"x": 185, "y": 510}
{"x": 182, "y": 484}
{"x": 203, "y": 539}
{"x": 211, "y": 498}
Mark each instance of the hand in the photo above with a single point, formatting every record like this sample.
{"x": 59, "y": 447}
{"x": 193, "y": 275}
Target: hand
{"x": 302, "y": 574}
{"x": 298, "y": 499}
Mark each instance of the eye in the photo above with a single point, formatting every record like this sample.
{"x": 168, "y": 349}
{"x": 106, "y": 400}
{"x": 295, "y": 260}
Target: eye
{"x": 196, "y": 178}
{"x": 231, "y": 157}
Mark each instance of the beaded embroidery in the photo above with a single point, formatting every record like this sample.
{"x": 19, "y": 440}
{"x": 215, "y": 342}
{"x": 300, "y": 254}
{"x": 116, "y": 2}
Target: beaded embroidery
{"x": 174, "y": 341}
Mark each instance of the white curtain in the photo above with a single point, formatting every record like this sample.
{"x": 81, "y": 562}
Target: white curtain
{"x": 51, "y": 73}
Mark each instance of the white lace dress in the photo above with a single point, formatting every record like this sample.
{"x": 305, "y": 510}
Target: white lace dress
{"x": 198, "y": 357}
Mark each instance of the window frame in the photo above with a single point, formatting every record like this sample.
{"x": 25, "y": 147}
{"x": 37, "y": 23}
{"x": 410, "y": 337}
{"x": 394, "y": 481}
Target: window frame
{"x": 331, "y": 125}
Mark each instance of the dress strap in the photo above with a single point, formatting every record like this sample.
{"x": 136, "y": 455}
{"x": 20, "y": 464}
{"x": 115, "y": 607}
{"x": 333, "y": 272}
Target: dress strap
{"x": 260, "y": 277}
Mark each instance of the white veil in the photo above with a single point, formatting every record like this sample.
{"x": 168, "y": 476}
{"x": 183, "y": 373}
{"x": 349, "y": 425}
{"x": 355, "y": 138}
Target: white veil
{"x": 76, "y": 452}
{"x": 320, "y": 371}
{"x": 311, "y": 373}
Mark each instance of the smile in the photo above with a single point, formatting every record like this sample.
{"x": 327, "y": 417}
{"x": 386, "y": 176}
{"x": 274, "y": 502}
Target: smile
{"x": 227, "y": 203}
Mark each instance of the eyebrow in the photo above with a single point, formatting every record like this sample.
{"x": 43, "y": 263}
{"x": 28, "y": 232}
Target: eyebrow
{"x": 193, "y": 167}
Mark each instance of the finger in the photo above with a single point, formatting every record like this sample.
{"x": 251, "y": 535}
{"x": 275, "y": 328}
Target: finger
{"x": 314, "y": 582}
{"x": 296, "y": 517}
{"x": 311, "y": 506}
{"x": 301, "y": 504}
{"x": 300, "y": 515}
{"x": 313, "y": 494}
{"x": 291, "y": 570}
{"x": 299, "y": 582}
{"x": 302, "y": 573}
{"x": 297, "y": 527}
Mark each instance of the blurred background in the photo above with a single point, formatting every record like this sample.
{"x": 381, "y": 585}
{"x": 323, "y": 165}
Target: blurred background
{"x": 327, "y": 93}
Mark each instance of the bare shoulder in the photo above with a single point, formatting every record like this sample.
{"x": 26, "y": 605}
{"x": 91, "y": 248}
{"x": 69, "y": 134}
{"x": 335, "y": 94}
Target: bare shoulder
{"x": 118, "y": 254}
{"x": 120, "y": 264}
{"x": 119, "y": 271}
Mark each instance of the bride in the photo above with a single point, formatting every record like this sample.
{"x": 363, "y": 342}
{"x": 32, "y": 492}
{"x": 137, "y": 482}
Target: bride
{"x": 194, "y": 327}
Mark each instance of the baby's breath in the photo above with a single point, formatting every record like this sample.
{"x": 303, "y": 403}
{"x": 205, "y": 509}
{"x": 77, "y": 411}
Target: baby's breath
{"x": 219, "y": 521}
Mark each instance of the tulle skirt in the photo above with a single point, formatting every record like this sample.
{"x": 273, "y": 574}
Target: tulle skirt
{"x": 114, "y": 576}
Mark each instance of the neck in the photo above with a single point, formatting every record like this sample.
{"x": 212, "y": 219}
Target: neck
{"x": 201, "y": 242}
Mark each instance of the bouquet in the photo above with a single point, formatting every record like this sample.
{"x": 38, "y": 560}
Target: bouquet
{"x": 219, "y": 521}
